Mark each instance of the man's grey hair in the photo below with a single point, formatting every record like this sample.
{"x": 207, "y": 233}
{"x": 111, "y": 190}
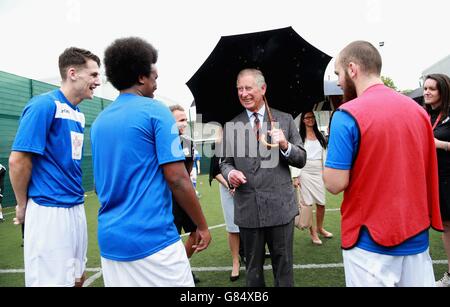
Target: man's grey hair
{"x": 256, "y": 73}
{"x": 176, "y": 107}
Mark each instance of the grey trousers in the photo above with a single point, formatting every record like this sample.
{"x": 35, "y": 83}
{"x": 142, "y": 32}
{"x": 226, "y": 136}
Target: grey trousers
{"x": 279, "y": 239}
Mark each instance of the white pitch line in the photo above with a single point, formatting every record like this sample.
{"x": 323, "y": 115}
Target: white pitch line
{"x": 222, "y": 225}
{"x": 228, "y": 268}
{"x": 218, "y": 226}
{"x": 210, "y": 228}
{"x": 18, "y": 271}
{"x": 93, "y": 269}
{"x": 91, "y": 279}
{"x": 12, "y": 271}
{"x": 333, "y": 209}
{"x": 269, "y": 267}
{"x": 296, "y": 267}
{"x": 440, "y": 261}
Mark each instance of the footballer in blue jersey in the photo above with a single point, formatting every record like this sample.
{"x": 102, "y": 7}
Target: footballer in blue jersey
{"x": 45, "y": 172}
{"x": 138, "y": 164}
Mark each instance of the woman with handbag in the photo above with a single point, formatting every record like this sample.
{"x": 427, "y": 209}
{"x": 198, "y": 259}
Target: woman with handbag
{"x": 309, "y": 179}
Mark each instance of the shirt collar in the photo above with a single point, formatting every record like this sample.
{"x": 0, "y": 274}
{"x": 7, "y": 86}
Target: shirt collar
{"x": 260, "y": 112}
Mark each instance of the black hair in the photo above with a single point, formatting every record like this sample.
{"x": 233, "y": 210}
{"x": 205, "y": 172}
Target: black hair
{"x": 127, "y": 59}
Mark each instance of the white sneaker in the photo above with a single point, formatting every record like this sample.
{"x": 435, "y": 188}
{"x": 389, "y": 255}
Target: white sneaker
{"x": 444, "y": 281}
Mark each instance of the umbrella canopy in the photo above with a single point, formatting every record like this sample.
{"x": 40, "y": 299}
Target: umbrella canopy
{"x": 293, "y": 69}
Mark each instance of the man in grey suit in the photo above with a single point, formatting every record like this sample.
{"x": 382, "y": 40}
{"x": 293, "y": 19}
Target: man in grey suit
{"x": 265, "y": 205}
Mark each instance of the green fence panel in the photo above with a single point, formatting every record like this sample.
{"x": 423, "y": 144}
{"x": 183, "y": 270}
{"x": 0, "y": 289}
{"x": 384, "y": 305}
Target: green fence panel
{"x": 88, "y": 174}
{"x": 91, "y": 108}
{"x": 8, "y": 128}
{"x": 38, "y": 87}
{"x": 106, "y": 103}
{"x": 15, "y": 91}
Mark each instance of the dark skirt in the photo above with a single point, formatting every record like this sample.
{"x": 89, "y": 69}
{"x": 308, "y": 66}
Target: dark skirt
{"x": 444, "y": 198}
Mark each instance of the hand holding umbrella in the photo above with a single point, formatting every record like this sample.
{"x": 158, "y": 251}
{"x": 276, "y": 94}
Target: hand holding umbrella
{"x": 278, "y": 139}
{"x": 262, "y": 138}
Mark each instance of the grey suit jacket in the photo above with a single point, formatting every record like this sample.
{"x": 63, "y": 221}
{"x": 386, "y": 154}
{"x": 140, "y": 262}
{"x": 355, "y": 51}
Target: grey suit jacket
{"x": 267, "y": 199}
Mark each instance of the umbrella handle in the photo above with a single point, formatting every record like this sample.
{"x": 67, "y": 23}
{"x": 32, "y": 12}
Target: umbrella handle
{"x": 262, "y": 138}
{"x": 269, "y": 115}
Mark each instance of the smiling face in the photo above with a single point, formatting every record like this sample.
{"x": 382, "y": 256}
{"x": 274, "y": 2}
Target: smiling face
{"x": 431, "y": 93}
{"x": 250, "y": 94}
{"x": 181, "y": 120}
{"x": 309, "y": 119}
{"x": 86, "y": 79}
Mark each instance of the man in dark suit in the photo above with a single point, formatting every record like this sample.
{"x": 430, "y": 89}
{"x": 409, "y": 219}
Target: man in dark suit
{"x": 265, "y": 205}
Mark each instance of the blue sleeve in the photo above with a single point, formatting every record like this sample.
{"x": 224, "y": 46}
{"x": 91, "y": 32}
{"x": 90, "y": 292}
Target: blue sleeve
{"x": 34, "y": 125}
{"x": 343, "y": 141}
{"x": 168, "y": 146}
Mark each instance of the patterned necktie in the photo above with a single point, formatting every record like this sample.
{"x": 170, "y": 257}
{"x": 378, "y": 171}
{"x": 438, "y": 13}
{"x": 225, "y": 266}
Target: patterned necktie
{"x": 256, "y": 126}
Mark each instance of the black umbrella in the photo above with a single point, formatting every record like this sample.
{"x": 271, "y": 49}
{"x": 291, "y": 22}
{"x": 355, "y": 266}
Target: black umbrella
{"x": 293, "y": 69}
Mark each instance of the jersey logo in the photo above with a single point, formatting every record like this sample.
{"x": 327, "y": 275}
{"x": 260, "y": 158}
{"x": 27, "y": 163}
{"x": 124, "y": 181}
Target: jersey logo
{"x": 64, "y": 111}
{"x": 77, "y": 145}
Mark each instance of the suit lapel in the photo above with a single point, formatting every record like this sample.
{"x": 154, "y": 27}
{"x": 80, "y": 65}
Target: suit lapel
{"x": 243, "y": 117}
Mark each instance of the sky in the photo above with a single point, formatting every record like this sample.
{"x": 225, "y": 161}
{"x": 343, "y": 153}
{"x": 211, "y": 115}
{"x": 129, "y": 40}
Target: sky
{"x": 34, "y": 33}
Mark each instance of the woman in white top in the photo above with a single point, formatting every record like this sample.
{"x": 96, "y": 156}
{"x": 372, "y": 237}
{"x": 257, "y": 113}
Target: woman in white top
{"x": 309, "y": 179}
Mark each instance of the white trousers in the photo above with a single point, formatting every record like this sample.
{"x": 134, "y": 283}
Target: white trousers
{"x": 169, "y": 267}
{"x": 55, "y": 245}
{"x": 367, "y": 269}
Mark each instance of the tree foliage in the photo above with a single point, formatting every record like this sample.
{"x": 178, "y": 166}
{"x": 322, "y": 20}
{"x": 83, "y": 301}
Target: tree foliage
{"x": 389, "y": 82}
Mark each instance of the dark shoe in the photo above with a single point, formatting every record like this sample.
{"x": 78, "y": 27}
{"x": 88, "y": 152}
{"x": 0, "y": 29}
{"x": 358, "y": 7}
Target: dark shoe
{"x": 196, "y": 279}
{"x": 234, "y": 278}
